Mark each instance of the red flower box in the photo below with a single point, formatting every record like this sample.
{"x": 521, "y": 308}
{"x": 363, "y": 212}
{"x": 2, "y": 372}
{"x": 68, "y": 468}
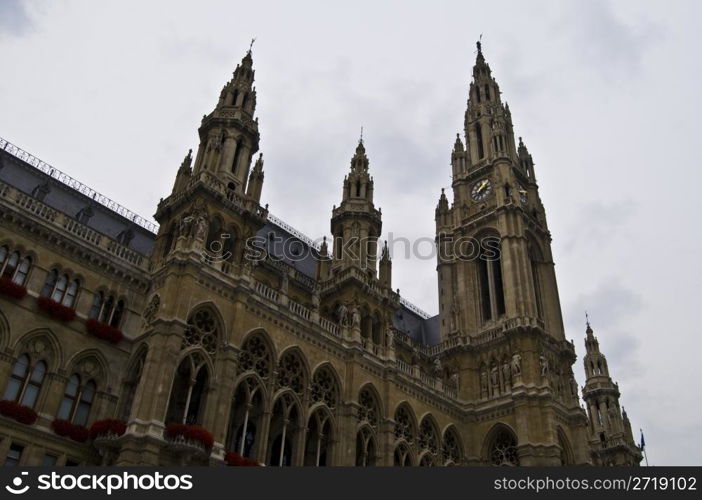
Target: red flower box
{"x": 189, "y": 432}
{"x": 70, "y": 430}
{"x": 233, "y": 459}
{"x": 12, "y": 289}
{"x": 103, "y": 331}
{"x": 23, "y": 414}
{"x": 56, "y": 309}
{"x": 108, "y": 427}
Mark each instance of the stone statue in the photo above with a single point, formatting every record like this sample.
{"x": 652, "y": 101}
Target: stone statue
{"x": 315, "y": 301}
{"x": 341, "y": 314}
{"x": 201, "y": 228}
{"x": 483, "y": 383}
{"x": 355, "y": 317}
{"x": 516, "y": 364}
{"x": 186, "y": 225}
{"x": 437, "y": 367}
{"x": 505, "y": 373}
{"x": 543, "y": 362}
{"x": 495, "y": 378}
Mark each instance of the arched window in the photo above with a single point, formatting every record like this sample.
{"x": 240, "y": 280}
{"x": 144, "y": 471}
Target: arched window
{"x": 451, "y": 448}
{"x": 291, "y": 373}
{"x": 25, "y": 381}
{"x": 284, "y": 427}
{"x": 60, "y": 288}
{"x": 237, "y": 156}
{"x": 402, "y": 456}
{"x": 503, "y": 449}
{"x": 77, "y": 400}
{"x": 479, "y": 139}
{"x": 105, "y": 310}
{"x": 187, "y": 402}
{"x": 366, "y": 448}
{"x": 245, "y": 418}
{"x": 566, "y": 451}
{"x": 202, "y": 331}
{"x": 318, "y": 444}
{"x": 428, "y": 441}
{"x": 404, "y": 424}
{"x": 324, "y": 388}
{"x": 256, "y": 356}
{"x": 13, "y": 267}
{"x": 489, "y": 266}
{"x": 368, "y": 408}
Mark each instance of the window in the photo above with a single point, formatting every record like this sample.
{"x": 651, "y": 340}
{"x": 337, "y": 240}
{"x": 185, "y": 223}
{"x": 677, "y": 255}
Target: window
{"x": 60, "y": 288}
{"x": 84, "y": 215}
{"x": 49, "y": 460}
{"x": 77, "y": 401}
{"x": 13, "y": 267}
{"x": 14, "y": 454}
{"x": 479, "y": 140}
{"x": 245, "y": 418}
{"x": 41, "y": 191}
{"x": 25, "y": 381}
{"x": 490, "y": 279}
{"x": 106, "y": 310}
{"x": 187, "y": 401}
{"x": 503, "y": 450}
{"x": 125, "y": 237}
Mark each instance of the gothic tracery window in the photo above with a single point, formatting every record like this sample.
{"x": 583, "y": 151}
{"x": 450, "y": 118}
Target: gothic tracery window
{"x": 402, "y": 456}
{"x": 202, "y": 331}
{"x": 404, "y": 425}
{"x": 503, "y": 450}
{"x": 187, "y": 401}
{"x": 77, "y": 400}
{"x": 25, "y": 381}
{"x": 428, "y": 441}
{"x": 318, "y": 444}
{"x": 324, "y": 388}
{"x": 13, "y": 267}
{"x": 451, "y": 448}
{"x": 284, "y": 427}
{"x": 106, "y": 310}
{"x": 60, "y": 288}
{"x": 368, "y": 410}
{"x": 366, "y": 448}
{"x": 256, "y": 356}
{"x": 291, "y": 373}
{"x": 245, "y": 418}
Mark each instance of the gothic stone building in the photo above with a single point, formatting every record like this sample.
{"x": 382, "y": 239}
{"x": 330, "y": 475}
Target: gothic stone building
{"x": 225, "y": 331}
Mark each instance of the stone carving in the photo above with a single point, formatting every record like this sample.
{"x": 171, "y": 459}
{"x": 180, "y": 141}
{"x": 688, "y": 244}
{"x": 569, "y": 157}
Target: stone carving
{"x": 516, "y": 364}
{"x": 355, "y": 317}
{"x": 506, "y": 376}
{"x": 342, "y": 313}
{"x": 437, "y": 368}
{"x": 495, "y": 379}
{"x": 543, "y": 363}
{"x": 483, "y": 383}
{"x": 151, "y": 309}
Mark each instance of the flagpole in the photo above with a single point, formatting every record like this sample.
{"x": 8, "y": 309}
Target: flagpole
{"x": 643, "y": 447}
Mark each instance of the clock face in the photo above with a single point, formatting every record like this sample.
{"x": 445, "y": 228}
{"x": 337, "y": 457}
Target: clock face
{"x": 481, "y": 190}
{"x": 523, "y": 197}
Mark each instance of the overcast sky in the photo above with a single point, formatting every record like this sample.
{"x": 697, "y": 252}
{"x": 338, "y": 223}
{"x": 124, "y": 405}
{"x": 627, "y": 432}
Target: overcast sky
{"x": 605, "y": 94}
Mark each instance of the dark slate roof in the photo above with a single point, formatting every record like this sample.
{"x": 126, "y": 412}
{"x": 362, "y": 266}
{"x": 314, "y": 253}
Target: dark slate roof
{"x": 65, "y": 199}
{"x": 420, "y": 329}
{"x": 292, "y": 250}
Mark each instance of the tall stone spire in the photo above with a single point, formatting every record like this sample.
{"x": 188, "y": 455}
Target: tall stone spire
{"x": 611, "y": 437}
{"x": 229, "y": 134}
{"x": 356, "y": 223}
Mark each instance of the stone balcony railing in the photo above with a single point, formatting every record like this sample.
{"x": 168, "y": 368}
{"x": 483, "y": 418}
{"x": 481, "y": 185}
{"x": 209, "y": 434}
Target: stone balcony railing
{"x": 17, "y": 199}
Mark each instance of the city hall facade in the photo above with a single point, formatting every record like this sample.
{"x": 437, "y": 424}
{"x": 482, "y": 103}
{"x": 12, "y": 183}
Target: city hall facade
{"x": 224, "y": 336}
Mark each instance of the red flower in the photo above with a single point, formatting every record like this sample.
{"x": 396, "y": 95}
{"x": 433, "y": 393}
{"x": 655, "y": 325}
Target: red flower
{"x": 12, "y": 289}
{"x": 103, "y": 331}
{"x": 70, "y": 430}
{"x": 235, "y": 460}
{"x": 23, "y": 414}
{"x": 107, "y": 427}
{"x": 56, "y": 309}
{"x": 189, "y": 432}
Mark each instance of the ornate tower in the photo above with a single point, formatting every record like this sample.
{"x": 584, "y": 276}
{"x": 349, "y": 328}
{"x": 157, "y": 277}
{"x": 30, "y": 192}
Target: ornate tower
{"x": 356, "y": 223}
{"x": 495, "y": 262}
{"x": 229, "y": 135}
{"x": 498, "y": 293}
{"x": 612, "y": 440}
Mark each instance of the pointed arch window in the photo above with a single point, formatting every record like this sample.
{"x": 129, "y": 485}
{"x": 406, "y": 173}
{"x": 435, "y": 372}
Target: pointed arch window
{"x": 324, "y": 388}
{"x": 187, "y": 402}
{"x": 402, "y": 456}
{"x": 245, "y": 418}
{"x": 366, "y": 448}
{"x": 489, "y": 265}
{"x": 61, "y": 288}
{"x": 404, "y": 425}
{"x": 256, "y": 356}
{"x": 77, "y": 400}
{"x": 318, "y": 444}
{"x": 479, "y": 140}
{"x": 451, "y": 447}
{"x": 284, "y": 427}
{"x": 503, "y": 449}
{"x": 25, "y": 381}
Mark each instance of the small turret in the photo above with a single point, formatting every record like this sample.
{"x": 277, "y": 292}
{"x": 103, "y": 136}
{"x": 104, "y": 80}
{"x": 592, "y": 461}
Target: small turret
{"x": 385, "y": 267}
{"x": 184, "y": 173}
{"x": 255, "y": 185}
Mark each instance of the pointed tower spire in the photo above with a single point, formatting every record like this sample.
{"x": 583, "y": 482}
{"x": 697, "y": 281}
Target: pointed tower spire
{"x": 356, "y": 223}
{"x": 229, "y": 134}
{"x": 385, "y": 267}
{"x": 255, "y": 185}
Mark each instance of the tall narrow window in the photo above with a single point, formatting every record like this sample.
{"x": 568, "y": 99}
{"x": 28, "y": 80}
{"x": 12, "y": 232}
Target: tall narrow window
{"x": 77, "y": 401}
{"x": 237, "y": 156}
{"x": 479, "y": 140}
{"x": 14, "y": 454}
{"x": 25, "y": 381}
{"x": 187, "y": 401}
{"x": 492, "y": 298}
